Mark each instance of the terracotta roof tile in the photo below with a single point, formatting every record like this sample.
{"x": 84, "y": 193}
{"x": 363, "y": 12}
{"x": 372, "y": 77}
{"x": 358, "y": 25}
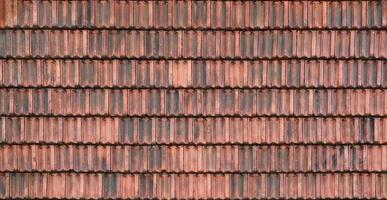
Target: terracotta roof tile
{"x": 267, "y": 44}
{"x": 139, "y": 159}
{"x": 228, "y": 185}
{"x": 186, "y": 102}
{"x": 193, "y": 99}
{"x": 194, "y": 14}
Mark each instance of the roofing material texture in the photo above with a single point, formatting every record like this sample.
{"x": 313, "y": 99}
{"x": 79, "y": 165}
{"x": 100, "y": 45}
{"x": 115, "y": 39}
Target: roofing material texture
{"x": 196, "y": 14}
{"x": 269, "y": 44}
{"x": 193, "y": 99}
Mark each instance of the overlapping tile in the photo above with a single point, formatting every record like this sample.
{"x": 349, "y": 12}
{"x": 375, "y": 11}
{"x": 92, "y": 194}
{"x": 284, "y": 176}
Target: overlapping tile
{"x": 194, "y": 74}
{"x": 193, "y": 44}
{"x": 192, "y": 131}
{"x": 251, "y": 186}
{"x": 188, "y": 102}
{"x": 194, "y": 159}
{"x": 195, "y": 14}
{"x": 193, "y": 99}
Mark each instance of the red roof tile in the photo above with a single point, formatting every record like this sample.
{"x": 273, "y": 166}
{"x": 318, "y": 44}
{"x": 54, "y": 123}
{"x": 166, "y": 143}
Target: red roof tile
{"x": 193, "y": 99}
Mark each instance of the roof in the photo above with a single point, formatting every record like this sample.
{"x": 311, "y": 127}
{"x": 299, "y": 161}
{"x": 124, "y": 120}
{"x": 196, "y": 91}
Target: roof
{"x": 193, "y": 99}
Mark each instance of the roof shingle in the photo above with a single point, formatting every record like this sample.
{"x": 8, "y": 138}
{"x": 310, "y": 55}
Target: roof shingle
{"x": 215, "y": 99}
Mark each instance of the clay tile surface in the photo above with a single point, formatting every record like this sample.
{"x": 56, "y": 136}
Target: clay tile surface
{"x": 219, "y": 99}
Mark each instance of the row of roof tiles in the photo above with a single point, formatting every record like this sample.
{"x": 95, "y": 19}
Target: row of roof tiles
{"x": 188, "y": 102}
{"x": 192, "y": 131}
{"x": 195, "y": 14}
{"x": 229, "y": 158}
{"x": 199, "y": 186}
{"x": 192, "y": 44}
{"x": 194, "y": 74}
